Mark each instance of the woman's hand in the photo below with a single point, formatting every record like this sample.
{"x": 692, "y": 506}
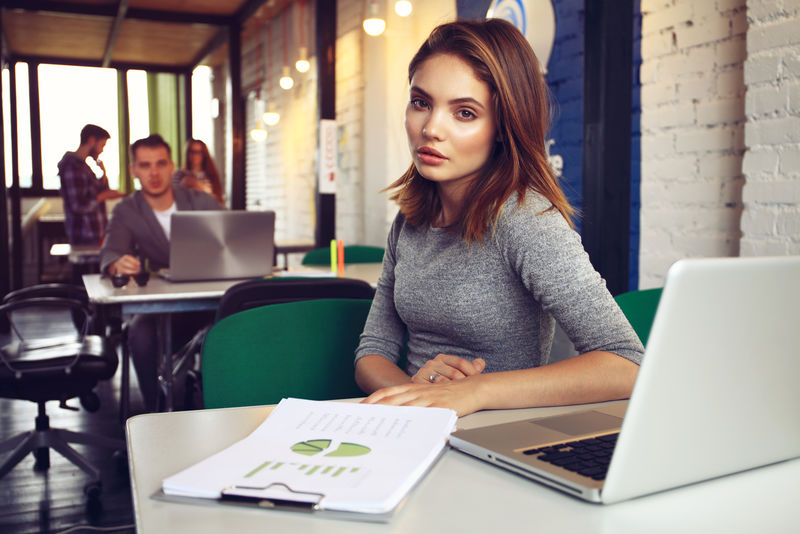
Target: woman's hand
{"x": 446, "y": 367}
{"x": 191, "y": 182}
{"x": 459, "y": 395}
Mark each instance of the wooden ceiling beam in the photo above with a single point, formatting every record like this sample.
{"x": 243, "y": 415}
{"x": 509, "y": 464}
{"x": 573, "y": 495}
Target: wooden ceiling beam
{"x": 104, "y": 10}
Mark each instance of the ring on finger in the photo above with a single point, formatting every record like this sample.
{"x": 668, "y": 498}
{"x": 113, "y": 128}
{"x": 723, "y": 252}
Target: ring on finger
{"x": 433, "y": 377}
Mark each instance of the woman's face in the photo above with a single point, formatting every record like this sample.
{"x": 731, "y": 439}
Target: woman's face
{"x": 449, "y": 121}
{"x": 195, "y": 155}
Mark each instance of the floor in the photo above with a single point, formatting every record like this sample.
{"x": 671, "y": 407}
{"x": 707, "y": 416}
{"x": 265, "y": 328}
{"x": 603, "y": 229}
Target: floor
{"x": 53, "y": 501}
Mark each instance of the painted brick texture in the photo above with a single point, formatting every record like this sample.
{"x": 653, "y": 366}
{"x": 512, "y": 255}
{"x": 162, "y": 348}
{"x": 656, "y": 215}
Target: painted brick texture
{"x": 692, "y": 131}
{"x": 771, "y": 218}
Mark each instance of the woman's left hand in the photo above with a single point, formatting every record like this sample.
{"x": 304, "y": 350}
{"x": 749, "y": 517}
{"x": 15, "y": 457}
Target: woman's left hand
{"x": 459, "y": 395}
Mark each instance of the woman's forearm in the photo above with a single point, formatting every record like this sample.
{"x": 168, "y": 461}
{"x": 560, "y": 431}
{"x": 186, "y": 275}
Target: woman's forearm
{"x": 591, "y": 377}
{"x": 374, "y": 372}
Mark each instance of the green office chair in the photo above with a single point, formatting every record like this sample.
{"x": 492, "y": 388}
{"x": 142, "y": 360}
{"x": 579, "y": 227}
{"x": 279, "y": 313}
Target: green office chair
{"x": 352, "y": 254}
{"x": 640, "y": 309}
{"x": 297, "y": 349}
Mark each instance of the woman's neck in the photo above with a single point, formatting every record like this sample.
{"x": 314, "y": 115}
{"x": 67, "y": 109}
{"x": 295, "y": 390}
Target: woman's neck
{"x": 451, "y": 197}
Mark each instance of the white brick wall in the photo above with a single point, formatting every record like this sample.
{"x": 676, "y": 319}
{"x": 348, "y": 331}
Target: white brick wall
{"x": 693, "y": 114}
{"x": 280, "y": 172}
{"x": 371, "y": 93}
{"x": 771, "y": 218}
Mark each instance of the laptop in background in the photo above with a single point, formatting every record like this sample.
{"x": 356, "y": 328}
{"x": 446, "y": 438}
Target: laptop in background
{"x": 220, "y": 245}
{"x": 717, "y": 392}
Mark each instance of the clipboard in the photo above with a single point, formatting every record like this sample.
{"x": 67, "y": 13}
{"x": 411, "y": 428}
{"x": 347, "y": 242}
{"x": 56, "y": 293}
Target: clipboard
{"x": 311, "y": 507}
{"x": 372, "y": 457}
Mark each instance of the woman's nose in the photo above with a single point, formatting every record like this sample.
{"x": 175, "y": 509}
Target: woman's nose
{"x": 432, "y": 127}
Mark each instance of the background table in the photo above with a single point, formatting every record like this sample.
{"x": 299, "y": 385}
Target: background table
{"x": 167, "y": 298}
{"x": 461, "y": 494}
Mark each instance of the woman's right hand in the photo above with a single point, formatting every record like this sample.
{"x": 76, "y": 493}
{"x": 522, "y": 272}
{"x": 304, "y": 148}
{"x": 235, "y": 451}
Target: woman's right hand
{"x": 446, "y": 367}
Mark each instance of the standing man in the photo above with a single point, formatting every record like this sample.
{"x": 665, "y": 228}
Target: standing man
{"x": 139, "y": 231}
{"x": 84, "y": 194}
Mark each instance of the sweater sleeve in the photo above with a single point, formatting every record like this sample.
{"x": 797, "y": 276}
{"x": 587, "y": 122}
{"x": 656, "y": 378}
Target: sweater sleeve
{"x": 119, "y": 238}
{"x": 550, "y": 260}
{"x": 384, "y": 332}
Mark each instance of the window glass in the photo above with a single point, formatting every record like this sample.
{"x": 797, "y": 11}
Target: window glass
{"x": 138, "y": 110}
{"x": 69, "y": 98}
{"x": 7, "y": 125}
{"x": 23, "y": 126}
{"x": 202, "y": 106}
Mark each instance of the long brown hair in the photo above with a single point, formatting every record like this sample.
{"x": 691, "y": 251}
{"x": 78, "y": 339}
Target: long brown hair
{"x": 502, "y": 58}
{"x": 209, "y": 168}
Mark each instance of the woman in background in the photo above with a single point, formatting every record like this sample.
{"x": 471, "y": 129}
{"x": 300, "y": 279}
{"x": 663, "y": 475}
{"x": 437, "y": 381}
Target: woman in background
{"x": 482, "y": 260}
{"x": 200, "y": 172}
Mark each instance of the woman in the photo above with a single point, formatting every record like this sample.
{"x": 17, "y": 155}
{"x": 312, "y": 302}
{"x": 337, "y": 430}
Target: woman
{"x": 200, "y": 172}
{"x": 482, "y": 258}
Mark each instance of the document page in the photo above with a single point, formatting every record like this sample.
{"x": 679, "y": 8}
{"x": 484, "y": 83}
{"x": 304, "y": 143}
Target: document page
{"x": 343, "y": 456}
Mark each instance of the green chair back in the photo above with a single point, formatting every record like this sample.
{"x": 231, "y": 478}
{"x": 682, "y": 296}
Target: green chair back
{"x": 352, "y": 254}
{"x": 299, "y": 349}
{"x": 640, "y": 309}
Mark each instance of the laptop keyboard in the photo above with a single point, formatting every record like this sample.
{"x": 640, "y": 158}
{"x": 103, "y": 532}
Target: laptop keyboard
{"x": 588, "y": 457}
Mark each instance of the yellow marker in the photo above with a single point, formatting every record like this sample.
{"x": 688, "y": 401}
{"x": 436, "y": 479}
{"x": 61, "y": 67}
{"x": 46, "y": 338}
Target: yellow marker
{"x": 334, "y": 263}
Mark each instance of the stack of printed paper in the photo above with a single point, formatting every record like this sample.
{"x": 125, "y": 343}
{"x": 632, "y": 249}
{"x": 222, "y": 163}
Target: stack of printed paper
{"x": 336, "y": 455}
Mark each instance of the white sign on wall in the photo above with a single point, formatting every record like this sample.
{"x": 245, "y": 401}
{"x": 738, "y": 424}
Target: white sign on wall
{"x": 534, "y": 18}
{"x": 328, "y": 156}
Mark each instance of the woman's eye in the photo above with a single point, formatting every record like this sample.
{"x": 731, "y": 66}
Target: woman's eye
{"x": 465, "y": 114}
{"x": 418, "y": 103}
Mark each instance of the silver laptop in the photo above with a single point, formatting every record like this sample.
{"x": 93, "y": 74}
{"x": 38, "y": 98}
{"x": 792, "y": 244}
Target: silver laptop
{"x": 220, "y": 245}
{"x": 718, "y": 392}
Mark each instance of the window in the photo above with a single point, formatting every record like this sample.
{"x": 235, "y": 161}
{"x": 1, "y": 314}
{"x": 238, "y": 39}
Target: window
{"x": 69, "y": 98}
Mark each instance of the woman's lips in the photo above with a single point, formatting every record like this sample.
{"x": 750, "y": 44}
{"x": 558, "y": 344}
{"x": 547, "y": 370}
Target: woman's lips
{"x": 430, "y": 156}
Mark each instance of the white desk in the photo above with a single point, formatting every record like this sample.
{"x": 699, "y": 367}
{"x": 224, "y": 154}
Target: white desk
{"x": 165, "y": 298}
{"x": 461, "y": 494}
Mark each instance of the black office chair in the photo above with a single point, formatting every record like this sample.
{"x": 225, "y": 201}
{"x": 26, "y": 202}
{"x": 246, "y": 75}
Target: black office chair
{"x": 62, "y": 367}
{"x": 261, "y": 292}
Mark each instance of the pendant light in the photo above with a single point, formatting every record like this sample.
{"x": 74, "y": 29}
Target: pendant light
{"x": 374, "y": 23}
{"x": 403, "y": 8}
{"x": 302, "y": 65}
{"x": 271, "y": 117}
{"x": 259, "y": 132}
{"x": 286, "y": 82}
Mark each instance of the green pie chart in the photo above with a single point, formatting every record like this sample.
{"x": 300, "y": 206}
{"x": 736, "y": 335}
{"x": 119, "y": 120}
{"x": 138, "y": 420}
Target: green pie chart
{"x": 313, "y": 447}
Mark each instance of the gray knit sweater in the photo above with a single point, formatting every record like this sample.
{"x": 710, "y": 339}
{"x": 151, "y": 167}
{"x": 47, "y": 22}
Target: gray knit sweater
{"x": 498, "y": 300}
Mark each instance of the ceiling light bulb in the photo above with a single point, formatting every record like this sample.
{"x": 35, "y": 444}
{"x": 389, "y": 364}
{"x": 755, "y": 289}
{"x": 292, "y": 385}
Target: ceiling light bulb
{"x": 258, "y": 134}
{"x": 271, "y": 118}
{"x": 302, "y": 64}
{"x": 286, "y": 82}
{"x": 403, "y": 8}
{"x": 374, "y": 26}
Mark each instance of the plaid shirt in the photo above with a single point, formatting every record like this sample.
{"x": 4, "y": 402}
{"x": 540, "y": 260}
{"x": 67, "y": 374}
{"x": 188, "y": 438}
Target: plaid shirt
{"x": 84, "y": 218}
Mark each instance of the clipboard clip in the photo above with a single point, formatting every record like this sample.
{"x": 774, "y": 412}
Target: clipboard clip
{"x": 276, "y": 496}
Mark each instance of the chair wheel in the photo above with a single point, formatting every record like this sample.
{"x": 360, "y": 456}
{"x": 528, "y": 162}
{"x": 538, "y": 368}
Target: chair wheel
{"x": 42, "y": 456}
{"x": 94, "y": 506}
{"x": 93, "y": 489}
{"x": 90, "y": 402}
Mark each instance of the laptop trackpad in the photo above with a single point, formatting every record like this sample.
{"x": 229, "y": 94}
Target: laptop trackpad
{"x": 578, "y": 424}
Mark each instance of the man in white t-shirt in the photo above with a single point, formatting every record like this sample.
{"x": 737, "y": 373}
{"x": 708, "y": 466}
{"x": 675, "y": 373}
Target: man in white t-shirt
{"x": 139, "y": 225}
{"x": 137, "y": 239}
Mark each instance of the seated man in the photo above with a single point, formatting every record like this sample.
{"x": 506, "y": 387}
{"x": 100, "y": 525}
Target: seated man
{"x": 138, "y": 239}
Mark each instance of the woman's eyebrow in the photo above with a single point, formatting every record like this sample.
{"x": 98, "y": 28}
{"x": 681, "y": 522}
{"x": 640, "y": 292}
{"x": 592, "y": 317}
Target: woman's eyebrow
{"x": 462, "y": 100}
